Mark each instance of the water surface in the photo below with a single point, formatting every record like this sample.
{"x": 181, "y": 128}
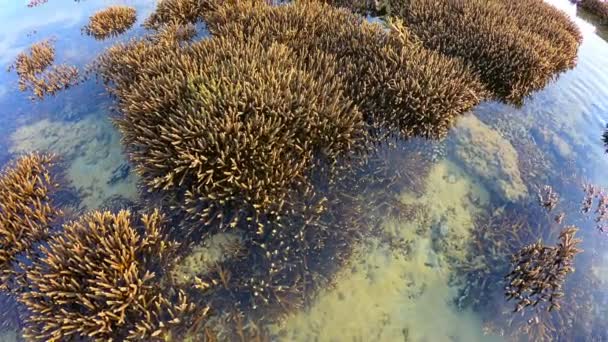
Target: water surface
{"x": 407, "y": 292}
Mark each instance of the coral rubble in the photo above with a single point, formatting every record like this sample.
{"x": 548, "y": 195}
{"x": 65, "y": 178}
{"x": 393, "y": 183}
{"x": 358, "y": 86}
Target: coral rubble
{"x": 26, "y": 210}
{"x": 501, "y": 41}
{"x": 110, "y": 22}
{"x": 101, "y": 279}
{"x": 36, "y": 72}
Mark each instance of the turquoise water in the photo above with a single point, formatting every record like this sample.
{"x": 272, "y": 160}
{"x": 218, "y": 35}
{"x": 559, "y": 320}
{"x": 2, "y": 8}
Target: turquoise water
{"x": 408, "y": 290}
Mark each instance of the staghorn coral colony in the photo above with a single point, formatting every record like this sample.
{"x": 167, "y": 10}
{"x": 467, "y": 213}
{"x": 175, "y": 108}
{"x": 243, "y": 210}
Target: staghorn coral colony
{"x": 269, "y": 131}
{"x": 36, "y": 72}
{"x": 26, "y": 211}
{"x": 110, "y": 22}
{"x": 100, "y": 279}
{"x": 500, "y": 41}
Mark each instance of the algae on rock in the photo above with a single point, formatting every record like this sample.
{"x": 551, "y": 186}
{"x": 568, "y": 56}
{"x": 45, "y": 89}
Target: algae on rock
{"x": 484, "y": 153}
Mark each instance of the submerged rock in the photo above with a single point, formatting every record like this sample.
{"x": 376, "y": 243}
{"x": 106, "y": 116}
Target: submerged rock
{"x": 484, "y": 153}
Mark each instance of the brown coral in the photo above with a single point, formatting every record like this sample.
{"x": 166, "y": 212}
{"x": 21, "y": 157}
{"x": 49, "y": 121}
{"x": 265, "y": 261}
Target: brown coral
{"x": 538, "y": 272}
{"x": 500, "y": 41}
{"x": 36, "y": 73}
{"x": 100, "y": 279}
{"x": 26, "y": 209}
{"x": 399, "y": 85}
{"x": 110, "y": 22}
{"x": 178, "y": 12}
{"x": 229, "y": 124}
{"x": 597, "y": 7}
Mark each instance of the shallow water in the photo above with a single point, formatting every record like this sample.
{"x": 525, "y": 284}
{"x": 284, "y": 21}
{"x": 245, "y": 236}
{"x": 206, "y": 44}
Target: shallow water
{"x": 408, "y": 292}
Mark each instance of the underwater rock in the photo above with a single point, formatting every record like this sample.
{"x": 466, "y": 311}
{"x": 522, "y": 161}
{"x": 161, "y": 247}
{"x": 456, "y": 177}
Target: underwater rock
{"x": 120, "y": 172}
{"x": 91, "y": 150}
{"x": 486, "y": 154}
{"x": 203, "y": 258}
{"x": 37, "y": 73}
{"x": 546, "y": 136}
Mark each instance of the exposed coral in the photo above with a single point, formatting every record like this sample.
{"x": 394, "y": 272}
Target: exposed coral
{"x": 110, "y": 22}
{"x": 180, "y": 12}
{"x": 36, "y": 73}
{"x": 538, "y": 272}
{"x": 222, "y": 138}
{"x": 26, "y": 210}
{"x": 91, "y": 149}
{"x": 486, "y": 154}
{"x": 399, "y": 85}
{"x": 596, "y": 7}
{"x": 500, "y": 41}
{"x": 100, "y": 279}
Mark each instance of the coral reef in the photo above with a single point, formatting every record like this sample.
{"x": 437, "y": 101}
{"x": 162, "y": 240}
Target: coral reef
{"x": 26, "y": 211}
{"x": 500, "y": 41}
{"x": 103, "y": 275}
{"x": 538, "y": 272}
{"x": 110, "y": 22}
{"x": 598, "y": 8}
{"x": 170, "y": 12}
{"x": 486, "y": 154}
{"x": 226, "y": 143}
{"x": 36, "y": 72}
{"x": 400, "y": 86}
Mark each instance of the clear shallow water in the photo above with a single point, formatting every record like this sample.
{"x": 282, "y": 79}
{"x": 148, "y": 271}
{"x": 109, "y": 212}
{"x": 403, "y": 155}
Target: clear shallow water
{"x": 386, "y": 293}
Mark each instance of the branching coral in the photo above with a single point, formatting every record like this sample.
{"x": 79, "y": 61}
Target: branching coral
{"x": 230, "y": 125}
{"x": 26, "y": 209}
{"x": 597, "y": 7}
{"x": 178, "y": 12}
{"x": 399, "y": 85}
{"x": 100, "y": 279}
{"x": 500, "y": 41}
{"x": 36, "y": 73}
{"x": 538, "y": 272}
{"x": 110, "y": 22}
